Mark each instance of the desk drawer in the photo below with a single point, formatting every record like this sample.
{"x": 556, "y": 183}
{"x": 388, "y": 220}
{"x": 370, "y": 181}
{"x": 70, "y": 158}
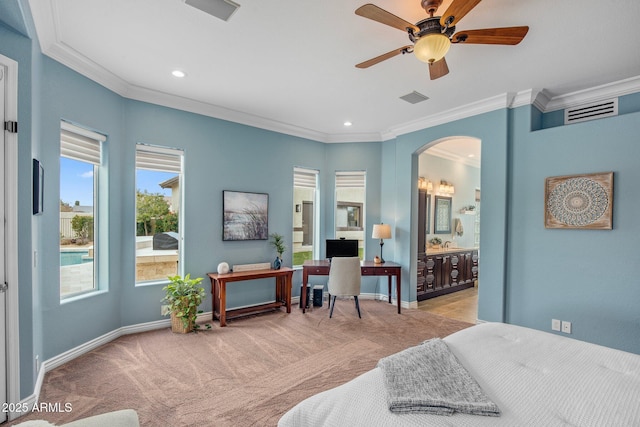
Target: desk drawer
{"x": 379, "y": 271}
{"x": 323, "y": 271}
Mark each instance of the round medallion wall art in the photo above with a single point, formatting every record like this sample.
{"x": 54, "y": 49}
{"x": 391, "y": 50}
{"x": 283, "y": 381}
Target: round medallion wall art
{"x": 579, "y": 201}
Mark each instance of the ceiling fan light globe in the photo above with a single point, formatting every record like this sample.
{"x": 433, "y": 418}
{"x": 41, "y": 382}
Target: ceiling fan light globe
{"x": 431, "y": 47}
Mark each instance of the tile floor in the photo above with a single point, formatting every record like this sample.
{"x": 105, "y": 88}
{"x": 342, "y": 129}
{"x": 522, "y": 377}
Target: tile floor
{"x": 461, "y": 305}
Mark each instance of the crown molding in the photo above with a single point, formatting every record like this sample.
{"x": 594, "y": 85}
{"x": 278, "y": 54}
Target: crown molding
{"x": 186, "y": 104}
{"x": 547, "y": 103}
{"x": 444, "y": 154}
{"x": 44, "y": 15}
{"x": 484, "y": 106}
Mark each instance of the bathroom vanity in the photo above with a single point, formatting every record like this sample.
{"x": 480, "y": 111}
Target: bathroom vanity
{"x": 445, "y": 270}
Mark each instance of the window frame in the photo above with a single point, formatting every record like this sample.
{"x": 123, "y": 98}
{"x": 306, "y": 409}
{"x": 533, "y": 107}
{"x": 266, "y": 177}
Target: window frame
{"x": 161, "y": 154}
{"x": 351, "y": 179}
{"x": 84, "y": 145}
{"x": 302, "y": 179}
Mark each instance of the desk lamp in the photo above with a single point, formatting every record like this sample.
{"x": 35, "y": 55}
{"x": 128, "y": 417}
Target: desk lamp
{"x": 381, "y": 231}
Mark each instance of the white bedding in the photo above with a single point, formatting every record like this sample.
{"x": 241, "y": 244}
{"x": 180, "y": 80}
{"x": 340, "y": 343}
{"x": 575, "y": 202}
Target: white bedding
{"x": 535, "y": 378}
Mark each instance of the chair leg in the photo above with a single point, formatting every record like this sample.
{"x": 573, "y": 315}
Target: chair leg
{"x": 357, "y": 305}
{"x": 332, "y": 305}
{"x": 329, "y": 301}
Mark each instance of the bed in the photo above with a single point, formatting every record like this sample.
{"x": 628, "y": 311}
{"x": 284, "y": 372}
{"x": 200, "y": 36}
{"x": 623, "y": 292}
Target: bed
{"x": 535, "y": 378}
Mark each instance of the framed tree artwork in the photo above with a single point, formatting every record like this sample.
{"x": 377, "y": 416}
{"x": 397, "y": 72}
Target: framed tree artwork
{"x": 245, "y": 215}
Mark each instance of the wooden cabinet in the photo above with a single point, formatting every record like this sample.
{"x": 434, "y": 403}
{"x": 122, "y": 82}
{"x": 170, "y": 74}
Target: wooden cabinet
{"x": 444, "y": 272}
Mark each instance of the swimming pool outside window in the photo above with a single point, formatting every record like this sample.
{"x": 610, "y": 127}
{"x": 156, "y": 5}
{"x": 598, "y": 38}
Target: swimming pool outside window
{"x": 80, "y": 164}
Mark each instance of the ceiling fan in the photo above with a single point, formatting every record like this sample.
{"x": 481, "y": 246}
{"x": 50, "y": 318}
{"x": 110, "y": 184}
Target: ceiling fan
{"x": 433, "y": 36}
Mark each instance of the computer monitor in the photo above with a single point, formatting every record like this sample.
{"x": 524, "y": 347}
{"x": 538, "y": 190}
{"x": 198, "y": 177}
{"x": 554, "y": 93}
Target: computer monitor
{"x": 341, "y": 248}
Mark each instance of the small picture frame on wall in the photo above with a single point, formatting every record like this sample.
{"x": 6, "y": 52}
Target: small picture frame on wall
{"x": 579, "y": 201}
{"x": 38, "y": 187}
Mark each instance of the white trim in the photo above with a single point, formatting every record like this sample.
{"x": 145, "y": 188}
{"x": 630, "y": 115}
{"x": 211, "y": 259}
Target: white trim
{"x": 469, "y": 110}
{"x": 78, "y": 351}
{"x": 11, "y": 212}
{"x": 594, "y": 94}
{"x": 44, "y": 14}
{"x": 368, "y": 296}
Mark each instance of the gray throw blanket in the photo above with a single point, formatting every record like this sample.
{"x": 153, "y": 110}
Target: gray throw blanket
{"x": 428, "y": 378}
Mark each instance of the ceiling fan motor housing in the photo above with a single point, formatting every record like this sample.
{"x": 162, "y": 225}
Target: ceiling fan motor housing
{"x": 432, "y": 26}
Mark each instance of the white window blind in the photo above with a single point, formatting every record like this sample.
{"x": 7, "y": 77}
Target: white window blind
{"x": 305, "y": 178}
{"x": 80, "y": 144}
{"x": 160, "y": 159}
{"x": 351, "y": 179}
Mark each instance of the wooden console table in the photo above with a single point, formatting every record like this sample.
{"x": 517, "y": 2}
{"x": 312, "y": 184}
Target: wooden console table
{"x": 367, "y": 268}
{"x": 219, "y": 282}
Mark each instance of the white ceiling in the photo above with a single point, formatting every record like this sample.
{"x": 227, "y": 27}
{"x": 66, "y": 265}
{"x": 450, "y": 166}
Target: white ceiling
{"x": 289, "y": 65}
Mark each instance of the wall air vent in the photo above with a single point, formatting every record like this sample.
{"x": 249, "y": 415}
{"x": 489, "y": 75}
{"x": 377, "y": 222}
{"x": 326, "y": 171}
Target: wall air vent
{"x": 222, "y": 9}
{"x": 414, "y": 97}
{"x": 596, "y": 110}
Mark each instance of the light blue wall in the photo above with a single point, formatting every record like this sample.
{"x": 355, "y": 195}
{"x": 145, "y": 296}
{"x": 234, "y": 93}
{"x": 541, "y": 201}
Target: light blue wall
{"x": 588, "y": 277}
{"x": 400, "y": 165}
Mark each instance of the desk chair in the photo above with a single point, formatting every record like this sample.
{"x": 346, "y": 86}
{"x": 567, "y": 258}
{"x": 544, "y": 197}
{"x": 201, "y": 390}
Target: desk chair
{"x": 344, "y": 280}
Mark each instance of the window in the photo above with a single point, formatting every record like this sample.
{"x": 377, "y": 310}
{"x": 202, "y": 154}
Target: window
{"x": 305, "y": 213}
{"x": 158, "y": 209}
{"x": 80, "y": 164}
{"x": 350, "y": 206}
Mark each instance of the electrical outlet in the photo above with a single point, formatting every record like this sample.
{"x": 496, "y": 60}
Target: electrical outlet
{"x": 566, "y": 327}
{"x": 555, "y": 325}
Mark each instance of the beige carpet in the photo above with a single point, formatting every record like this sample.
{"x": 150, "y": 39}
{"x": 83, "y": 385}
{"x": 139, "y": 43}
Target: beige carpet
{"x": 246, "y": 374}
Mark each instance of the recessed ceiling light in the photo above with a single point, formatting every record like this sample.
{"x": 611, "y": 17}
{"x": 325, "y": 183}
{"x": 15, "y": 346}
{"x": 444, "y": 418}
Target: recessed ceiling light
{"x": 347, "y": 124}
{"x": 178, "y": 73}
{"x": 471, "y": 155}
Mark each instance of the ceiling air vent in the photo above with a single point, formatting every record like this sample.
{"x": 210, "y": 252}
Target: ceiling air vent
{"x": 596, "y": 110}
{"x": 222, "y": 9}
{"x": 414, "y": 97}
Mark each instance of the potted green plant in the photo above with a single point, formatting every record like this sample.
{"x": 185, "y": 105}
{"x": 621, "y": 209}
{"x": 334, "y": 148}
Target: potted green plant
{"x": 182, "y": 297}
{"x": 277, "y": 241}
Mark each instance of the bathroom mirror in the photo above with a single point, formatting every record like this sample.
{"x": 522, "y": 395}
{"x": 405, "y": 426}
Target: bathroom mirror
{"x": 442, "y": 215}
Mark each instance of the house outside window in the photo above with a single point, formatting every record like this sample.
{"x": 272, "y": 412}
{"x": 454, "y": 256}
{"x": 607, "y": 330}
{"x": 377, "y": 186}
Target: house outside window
{"x": 305, "y": 216}
{"x": 82, "y": 199}
{"x": 158, "y": 212}
{"x": 350, "y": 206}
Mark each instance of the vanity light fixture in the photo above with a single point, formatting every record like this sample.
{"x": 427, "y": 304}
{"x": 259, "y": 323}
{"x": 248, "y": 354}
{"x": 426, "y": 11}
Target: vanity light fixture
{"x": 446, "y": 188}
{"x": 425, "y": 184}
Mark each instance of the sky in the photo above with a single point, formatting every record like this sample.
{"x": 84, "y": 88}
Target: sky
{"x": 76, "y": 182}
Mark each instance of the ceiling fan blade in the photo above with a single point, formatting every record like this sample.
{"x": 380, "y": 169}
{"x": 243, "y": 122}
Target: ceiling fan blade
{"x": 457, "y": 10}
{"x": 438, "y": 69}
{"x": 373, "y": 12}
{"x": 506, "y": 35}
{"x": 374, "y": 61}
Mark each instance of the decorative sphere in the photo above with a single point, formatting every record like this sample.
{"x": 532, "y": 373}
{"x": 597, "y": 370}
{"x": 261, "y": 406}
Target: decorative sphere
{"x": 223, "y": 268}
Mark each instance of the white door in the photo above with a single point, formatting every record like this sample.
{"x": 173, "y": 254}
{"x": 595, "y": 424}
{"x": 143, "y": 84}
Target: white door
{"x": 3, "y": 307}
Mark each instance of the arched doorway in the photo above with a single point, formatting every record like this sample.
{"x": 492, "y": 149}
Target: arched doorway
{"x": 449, "y": 189}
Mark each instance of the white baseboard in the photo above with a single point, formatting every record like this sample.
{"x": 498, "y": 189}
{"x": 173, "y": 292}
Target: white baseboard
{"x": 368, "y": 296}
{"x": 78, "y": 351}
{"x": 69, "y": 355}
